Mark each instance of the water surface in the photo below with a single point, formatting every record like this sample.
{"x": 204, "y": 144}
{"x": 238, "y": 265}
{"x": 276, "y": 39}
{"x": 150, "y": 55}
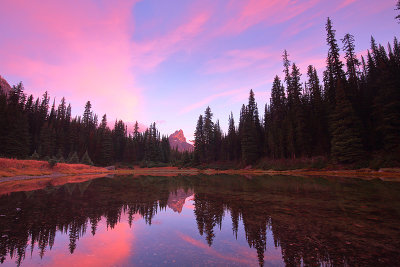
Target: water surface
{"x": 203, "y": 220}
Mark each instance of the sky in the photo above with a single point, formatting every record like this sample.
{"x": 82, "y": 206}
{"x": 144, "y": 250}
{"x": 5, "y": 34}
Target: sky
{"x": 166, "y": 61}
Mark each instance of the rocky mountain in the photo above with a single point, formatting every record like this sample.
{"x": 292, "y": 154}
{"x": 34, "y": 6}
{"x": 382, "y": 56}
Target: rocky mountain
{"x": 4, "y": 86}
{"x": 178, "y": 140}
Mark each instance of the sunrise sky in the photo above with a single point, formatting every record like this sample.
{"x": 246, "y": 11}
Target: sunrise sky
{"x": 165, "y": 61}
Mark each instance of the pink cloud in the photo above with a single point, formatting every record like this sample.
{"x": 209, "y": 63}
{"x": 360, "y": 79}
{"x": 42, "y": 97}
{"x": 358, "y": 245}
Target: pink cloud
{"x": 80, "y": 51}
{"x": 238, "y": 59}
{"x": 207, "y": 100}
{"x": 252, "y": 12}
{"x": 150, "y": 54}
{"x": 346, "y": 3}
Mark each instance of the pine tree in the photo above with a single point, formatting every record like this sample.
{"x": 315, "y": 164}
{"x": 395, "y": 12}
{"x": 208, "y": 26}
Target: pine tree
{"x": 352, "y": 63}
{"x": 249, "y": 144}
{"x": 346, "y": 141}
{"x": 231, "y": 138}
{"x": 199, "y": 141}
{"x": 87, "y": 118}
{"x": 86, "y": 159}
{"x": 318, "y": 117}
{"x": 276, "y": 136}
{"x": 334, "y": 71}
{"x": 73, "y": 158}
{"x": 217, "y": 141}
{"x": 16, "y": 140}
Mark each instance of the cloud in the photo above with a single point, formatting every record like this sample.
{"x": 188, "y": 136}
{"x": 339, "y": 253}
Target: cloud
{"x": 207, "y": 100}
{"x": 346, "y": 3}
{"x": 251, "y": 12}
{"x": 80, "y": 51}
{"x": 238, "y": 59}
{"x": 150, "y": 54}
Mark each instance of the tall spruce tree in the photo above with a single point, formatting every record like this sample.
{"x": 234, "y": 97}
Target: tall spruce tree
{"x": 231, "y": 138}
{"x": 199, "y": 141}
{"x": 208, "y": 131}
{"x": 250, "y": 147}
{"x": 346, "y": 140}
{"x": 334, "y": 70}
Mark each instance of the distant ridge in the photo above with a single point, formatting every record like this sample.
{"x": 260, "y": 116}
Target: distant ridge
{"x": 178, "y": 140}
{"x": 4, "y": 86}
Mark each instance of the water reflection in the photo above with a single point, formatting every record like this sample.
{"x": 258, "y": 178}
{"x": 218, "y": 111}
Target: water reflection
{"x": 307, "y": 221}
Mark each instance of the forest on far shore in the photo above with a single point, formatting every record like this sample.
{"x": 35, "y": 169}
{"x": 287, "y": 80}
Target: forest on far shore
{"x": 351, "y": 116}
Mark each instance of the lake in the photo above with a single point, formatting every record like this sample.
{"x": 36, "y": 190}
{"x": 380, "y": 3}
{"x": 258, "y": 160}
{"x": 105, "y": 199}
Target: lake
{"x": 219, "y": 220}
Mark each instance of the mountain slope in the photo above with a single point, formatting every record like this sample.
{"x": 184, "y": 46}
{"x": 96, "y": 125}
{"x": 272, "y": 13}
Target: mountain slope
{"x": 4, "y": 86}
{"x": 178, "y": 140}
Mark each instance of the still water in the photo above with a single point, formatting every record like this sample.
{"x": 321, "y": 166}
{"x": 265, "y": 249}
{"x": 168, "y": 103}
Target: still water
{"x": 203, "y": 221}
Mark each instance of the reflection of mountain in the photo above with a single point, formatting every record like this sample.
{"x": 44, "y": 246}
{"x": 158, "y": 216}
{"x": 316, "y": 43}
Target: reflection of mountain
{"x": 176, "y": 199}
{"x": 314, "y": 221}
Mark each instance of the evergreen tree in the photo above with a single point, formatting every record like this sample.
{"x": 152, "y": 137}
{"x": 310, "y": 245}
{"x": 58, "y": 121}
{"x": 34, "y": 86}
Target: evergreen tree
{"x": 317, "y": 117}
{"x": 250, "y": 147}
{"x": 86, "y": 159}
{"x": 208, "y": 131}
{"x": 276, "y": 137}
{"x": 353, "y": 64}
{"x": 73, "y": 159}
{"x": 199, "y": 141}
{"x": 334, "y": 71}
{"x": 16, "y": 139}
{"x": 231, "y": 138}
{"x": 346, "y": 141}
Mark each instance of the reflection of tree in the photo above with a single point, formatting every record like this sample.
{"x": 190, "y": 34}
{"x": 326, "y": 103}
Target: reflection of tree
{"x": 313, "y": 221}
{"x": 209, "y": 215}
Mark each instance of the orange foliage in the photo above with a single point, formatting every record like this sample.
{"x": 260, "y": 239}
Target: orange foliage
{"x": 15, "y": 167}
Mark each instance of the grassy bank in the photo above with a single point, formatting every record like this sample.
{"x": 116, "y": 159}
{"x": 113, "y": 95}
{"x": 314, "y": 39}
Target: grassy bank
{"x": 15, "y": 167}
{"x": 41, "y": 169}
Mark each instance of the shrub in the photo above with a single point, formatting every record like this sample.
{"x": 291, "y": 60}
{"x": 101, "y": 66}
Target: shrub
{"x": 52, "y": 162}
{"x": 61, "y": 160}
{"x": 73, "y": 159}
{"x": 35, "y": 156}
{"x": 319, "y": 163}
{"x": 86, "y": 159}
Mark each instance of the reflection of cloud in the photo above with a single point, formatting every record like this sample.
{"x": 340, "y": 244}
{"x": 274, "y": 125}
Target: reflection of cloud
{"x": 103, "y": 249}
{"x": 242, "y": 255}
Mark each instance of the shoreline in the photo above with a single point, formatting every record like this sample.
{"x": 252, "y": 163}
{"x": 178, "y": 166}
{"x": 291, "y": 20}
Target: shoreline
{"x": 13, "y": 170}
{"x": 384, "y": 174}
{"x": 35, "y": 182}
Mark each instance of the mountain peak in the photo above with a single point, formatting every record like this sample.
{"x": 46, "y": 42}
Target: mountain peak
{"x": 178, "y": 140}
{"x": 178, "y": 135}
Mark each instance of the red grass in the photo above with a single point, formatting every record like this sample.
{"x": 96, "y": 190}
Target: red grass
{"x": 15, "y": 167}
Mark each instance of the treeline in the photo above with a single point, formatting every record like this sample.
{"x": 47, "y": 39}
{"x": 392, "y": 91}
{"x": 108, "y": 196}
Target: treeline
{"x": 353, "y": 115}
{"x": 29, "y": 127}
